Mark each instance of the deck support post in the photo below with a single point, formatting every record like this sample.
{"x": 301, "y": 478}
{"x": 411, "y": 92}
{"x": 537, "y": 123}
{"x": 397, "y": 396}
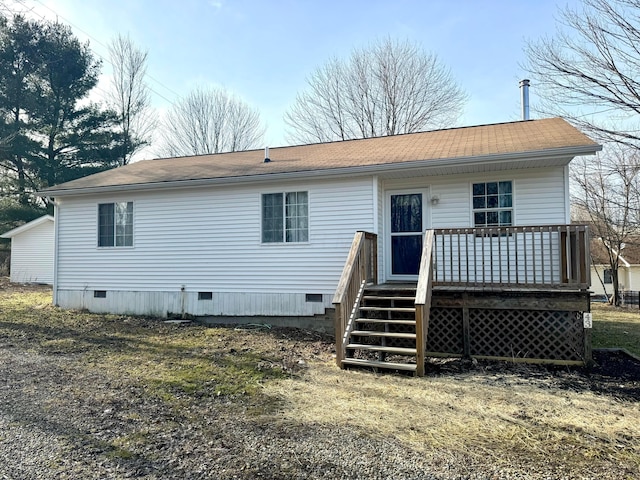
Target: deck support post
{"x": 338, "y": 322}
{"x": 466, "y": 336}
{"x": 421, "y": 340}
{"x": 588, "y": 349}
{"x": 423, "y": 301}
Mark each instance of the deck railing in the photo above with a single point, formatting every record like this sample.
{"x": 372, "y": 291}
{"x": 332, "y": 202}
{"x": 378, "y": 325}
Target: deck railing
{"x": 360, "y": 269}
{"x": 423, "y": 300}
{"x": 549, "y": 256}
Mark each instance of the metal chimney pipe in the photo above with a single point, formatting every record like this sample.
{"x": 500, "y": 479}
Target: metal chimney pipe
{"x": 524, "y": 95}
{"x": 266, "y": 155}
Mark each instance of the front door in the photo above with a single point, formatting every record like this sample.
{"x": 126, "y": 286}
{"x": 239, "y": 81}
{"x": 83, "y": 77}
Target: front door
{"x": 406, "y": 228}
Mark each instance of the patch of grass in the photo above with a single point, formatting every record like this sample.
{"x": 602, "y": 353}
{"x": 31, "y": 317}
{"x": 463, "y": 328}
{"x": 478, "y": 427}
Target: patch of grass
{"x": 171, "y": 361}
{"x": 225, "y": 375}
{"x": 616, "y": 328}
{"x": 121, "y": 453}
{"x": 124, "y": 446}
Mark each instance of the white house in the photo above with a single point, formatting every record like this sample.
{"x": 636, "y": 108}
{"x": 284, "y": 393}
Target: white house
{"x": 628, "y": 269}
{"x": 32, "y": 251}
{"x": 240, "y": 234}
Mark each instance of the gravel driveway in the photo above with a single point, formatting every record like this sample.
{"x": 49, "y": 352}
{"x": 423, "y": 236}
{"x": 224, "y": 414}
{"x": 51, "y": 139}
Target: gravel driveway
{"x": 66, "y": 415}
{"x": 59, "y": 422}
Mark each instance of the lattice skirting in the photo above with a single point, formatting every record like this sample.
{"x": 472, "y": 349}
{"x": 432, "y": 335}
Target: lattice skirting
{"x": 445, "y": 333}
{"x": 549, "y": 335}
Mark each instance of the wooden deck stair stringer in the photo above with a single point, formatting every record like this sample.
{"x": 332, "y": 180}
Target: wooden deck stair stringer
{"x": 390, "y": 320}
{"x": 384, "y": 334}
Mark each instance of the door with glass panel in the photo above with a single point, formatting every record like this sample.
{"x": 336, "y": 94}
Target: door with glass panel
{"x": 406, "y": 225}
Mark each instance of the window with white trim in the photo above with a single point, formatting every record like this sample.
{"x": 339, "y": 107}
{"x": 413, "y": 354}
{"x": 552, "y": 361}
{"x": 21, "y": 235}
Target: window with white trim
{"x": 285, "y": 217}
{"x": 115, "y": 224}
{"x": 608, "y": 276}
{"x": 493, "y": 204}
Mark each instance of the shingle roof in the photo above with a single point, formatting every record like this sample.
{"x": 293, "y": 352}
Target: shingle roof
{"x": 457, "y": 143}
{"x": 599, "y": 253}
{"x": 629, "y": 253}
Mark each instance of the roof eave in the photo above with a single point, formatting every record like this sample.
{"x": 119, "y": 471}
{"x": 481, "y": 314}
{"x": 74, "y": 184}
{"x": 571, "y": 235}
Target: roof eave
{"x": 568, "y": 152}
{"x": 27, "y": 226}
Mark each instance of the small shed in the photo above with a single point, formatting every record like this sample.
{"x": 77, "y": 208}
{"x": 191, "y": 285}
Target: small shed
{"x": 32, "y": 251}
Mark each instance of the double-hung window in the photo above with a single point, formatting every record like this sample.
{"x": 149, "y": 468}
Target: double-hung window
{"x": 115, "y": 224}
{"x": 493, "y": 204}
{"x": 285, "y": 217}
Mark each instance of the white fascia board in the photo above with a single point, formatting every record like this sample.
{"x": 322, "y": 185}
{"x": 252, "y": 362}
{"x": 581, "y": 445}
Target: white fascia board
{"x": 621, "y": 259}
{"x": 27, "y": 226}
{"x": 624, "y": 262}
{"x": 566, "y": 152}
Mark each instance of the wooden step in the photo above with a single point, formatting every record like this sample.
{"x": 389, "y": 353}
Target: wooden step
{"x": 410, "y": 367}
{"x": 398, "y": 298}
{"x": 381, "y": 348}
{"x": 369, "y": 333}
{"x": 389, "y": 292}
{"x": 386, "y": 320}
{"x": 389, "y": 309}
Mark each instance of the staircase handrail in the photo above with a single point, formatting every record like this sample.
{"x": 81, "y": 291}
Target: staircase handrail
{"x": 423, "y": 300}
{"x": 359, "y": 269}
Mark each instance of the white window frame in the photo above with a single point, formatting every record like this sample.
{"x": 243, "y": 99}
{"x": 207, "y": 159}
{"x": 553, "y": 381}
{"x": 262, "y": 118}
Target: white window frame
{"x": 497, "y": 209}
{"x": 284, "y": 219}
{"x": 115, "y": 233}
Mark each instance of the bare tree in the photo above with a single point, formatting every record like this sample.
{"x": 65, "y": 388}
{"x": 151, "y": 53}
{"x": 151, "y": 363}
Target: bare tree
{"x": 388, "y": 88}
{"x": 606, "y": 191}
{"x": 210, "y": 120}
{"x": 130, "y": 97}
{"x": 592, "y": 67}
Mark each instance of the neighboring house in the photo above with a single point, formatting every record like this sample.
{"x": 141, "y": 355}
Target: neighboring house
{"x": 32, "y": 251}
{"x": 628, "y": 270}
{"x": 238, "y": 234}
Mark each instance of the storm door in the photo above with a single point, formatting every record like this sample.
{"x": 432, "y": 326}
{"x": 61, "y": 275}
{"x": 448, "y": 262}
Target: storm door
{"x": 406, "y": 228}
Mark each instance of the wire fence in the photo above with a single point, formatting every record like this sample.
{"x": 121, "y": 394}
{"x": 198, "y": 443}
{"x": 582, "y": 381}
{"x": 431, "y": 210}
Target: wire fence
{"x": 630, "y": 299}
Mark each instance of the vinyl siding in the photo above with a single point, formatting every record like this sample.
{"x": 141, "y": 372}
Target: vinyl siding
{"x": 32, "y": 255}
{"x": 628, "y": 278}
{"x": 539, "y": 196}
{"x": 209, "y": 239}
{"x": 176, "y": 302}
{"x": 633, "y": 279}
{"x": 538, "y": 199}
{"x": 597, "y": 274}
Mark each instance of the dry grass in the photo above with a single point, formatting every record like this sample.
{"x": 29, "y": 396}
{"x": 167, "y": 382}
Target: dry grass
{"x": 496, "y": 417}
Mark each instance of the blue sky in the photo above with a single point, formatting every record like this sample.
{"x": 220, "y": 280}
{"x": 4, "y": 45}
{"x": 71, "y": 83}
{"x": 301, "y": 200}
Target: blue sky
{"x": 264, "y": 50}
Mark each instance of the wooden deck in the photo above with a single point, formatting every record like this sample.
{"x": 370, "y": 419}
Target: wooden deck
{"x": 471, "y": 299}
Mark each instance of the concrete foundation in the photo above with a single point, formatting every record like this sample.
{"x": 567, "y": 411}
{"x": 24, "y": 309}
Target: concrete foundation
{"x": 320, "y": 323}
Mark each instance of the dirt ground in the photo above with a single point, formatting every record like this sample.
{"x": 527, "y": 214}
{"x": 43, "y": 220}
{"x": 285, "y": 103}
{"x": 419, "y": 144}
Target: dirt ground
{"x": 65, "y": 413}
{"x": 614, "y": 373}
{"x": 611, "y": 366}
